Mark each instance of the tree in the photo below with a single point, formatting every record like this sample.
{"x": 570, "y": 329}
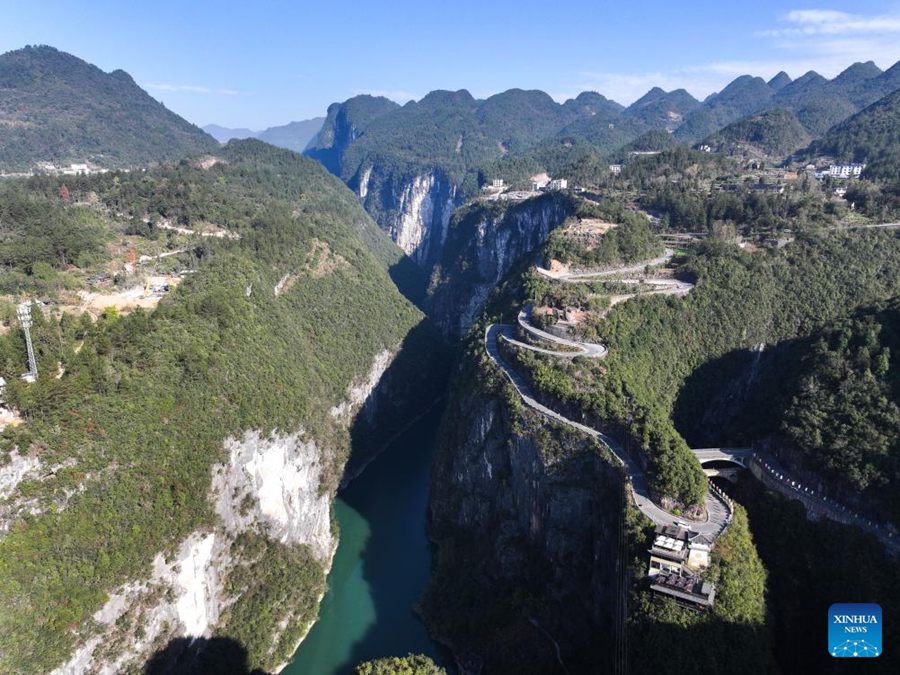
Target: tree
{"x": 413, "y": 664}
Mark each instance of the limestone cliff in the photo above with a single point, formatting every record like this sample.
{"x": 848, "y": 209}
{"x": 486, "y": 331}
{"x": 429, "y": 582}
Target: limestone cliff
{"x": 274, "y": 487}
{"x": 414, "y": 207}
{"x": 525, "y": 518}
{"x": 485, "y": 241}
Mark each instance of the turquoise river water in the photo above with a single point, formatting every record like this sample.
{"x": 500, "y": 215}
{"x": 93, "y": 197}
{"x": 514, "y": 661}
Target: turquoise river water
{"x": 381, "y": 565}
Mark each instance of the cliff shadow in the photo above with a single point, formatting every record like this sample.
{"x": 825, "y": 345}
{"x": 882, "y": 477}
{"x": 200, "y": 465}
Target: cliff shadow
{"x": 737, "y": 397}
{"x": 201, "y": 656}
{"x": 525, "y": 518}
{"x": 811, "y": 565}
{"x": 412, "y": 384}
{"x": 705, "y": 647}
{"x": 382, "y": 564}
{"x": 411, "y": 280}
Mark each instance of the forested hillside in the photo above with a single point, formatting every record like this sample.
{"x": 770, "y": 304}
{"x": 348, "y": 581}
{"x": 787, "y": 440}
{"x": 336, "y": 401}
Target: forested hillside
{"x": 871, "y": 136}
{"x": 740, "y": 300}
{"x": 56, "y": 108}
{"x": 267, "y": 337}
{"x": 827, "y": 403}
{"x": 774, "y": 133}
{"x": 843, "y": 415}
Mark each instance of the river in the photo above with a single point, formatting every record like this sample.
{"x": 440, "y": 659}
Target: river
{"x": 381, "y": 564}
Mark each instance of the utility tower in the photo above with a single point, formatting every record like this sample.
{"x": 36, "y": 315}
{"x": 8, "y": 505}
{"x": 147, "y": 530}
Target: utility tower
{"x": 24, "y": 312}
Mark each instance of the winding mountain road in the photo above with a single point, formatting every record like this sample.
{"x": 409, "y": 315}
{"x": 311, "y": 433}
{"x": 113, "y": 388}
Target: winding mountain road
{"x": 636, "y": 268}
{"x": 587, "y": 349}
{"x": 718, "y": 507}
{"x": 718, "y": 511}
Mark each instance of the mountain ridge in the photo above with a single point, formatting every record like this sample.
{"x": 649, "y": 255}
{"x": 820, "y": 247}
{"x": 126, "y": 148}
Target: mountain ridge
{"x": 59, "y": 108}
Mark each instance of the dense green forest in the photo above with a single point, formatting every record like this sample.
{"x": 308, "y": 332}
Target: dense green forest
{"x": 742, "y": 97}
{"x": 661, "y": 109}
{"x": 817, "y": 103}
{"x": 811, "y": 565}
{"x": 139, "y": 414}
{"x": 59, "y": 109}
{"x": 42, "y": 236}
{"x": 844, "y": 413}
{"x": 740, "y": 300}
{"x": 631, "y": 240}
{"x": 678, "y": 186}
{"x": 826, "y": 403}
{"x": 449, "y": 130}
{"x": 776, "y": 133}
{"x": 871, "y": 136}
{"x": 517, "y": 134}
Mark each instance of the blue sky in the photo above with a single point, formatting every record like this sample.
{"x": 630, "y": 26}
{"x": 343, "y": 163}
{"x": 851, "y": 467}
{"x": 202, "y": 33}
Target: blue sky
{"x": 265, "y": 63}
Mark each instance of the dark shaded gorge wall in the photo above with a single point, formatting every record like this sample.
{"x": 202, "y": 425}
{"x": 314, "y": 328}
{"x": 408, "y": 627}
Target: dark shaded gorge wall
{"x": 525, "y": 519}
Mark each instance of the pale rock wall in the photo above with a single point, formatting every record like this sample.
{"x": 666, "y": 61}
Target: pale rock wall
{"x": 182, "y": 596}
{"x": 364, "y": 183}
{"x": 360, "y": 396}
{"x": 15, "y": 471}
{"x": 281, "y": 475}
{"x": 268, "y": 484}
{"x": 414, "y": 209}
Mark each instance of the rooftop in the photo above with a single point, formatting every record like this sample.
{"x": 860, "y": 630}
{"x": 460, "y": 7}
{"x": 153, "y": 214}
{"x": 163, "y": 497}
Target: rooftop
{"x": 685, "y": 589}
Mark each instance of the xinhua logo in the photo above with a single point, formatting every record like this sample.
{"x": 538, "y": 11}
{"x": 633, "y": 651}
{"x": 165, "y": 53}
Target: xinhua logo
{"x": 854, "y": 630}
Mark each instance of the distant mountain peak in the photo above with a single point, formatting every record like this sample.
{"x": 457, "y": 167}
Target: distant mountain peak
{"x": 592, "y": 103}
{"x": 859, "y": 71}
{"x": 63, "y": 109}
{"x": 780, "y": 81}
{"x": 447, "y": 97}
{"x": 809, "y": 77}
{"x": 653, "y": 95}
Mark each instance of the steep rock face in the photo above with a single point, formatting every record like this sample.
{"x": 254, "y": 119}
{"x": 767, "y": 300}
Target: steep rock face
{"x": 483, "y": 244}
{"x": 275, "y": 487}
{"x": 525, "y": 518}
{"x": 274, "y": 484}
{"x": 343, "y": 124}
{"x": 414, "y": 209}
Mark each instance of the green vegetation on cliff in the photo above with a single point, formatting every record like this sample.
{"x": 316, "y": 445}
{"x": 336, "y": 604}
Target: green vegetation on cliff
{"x": 844, "y": 416}
{"x": 741, "y": 299}
{"x": 776, "y": 133}
{"x": 630, "y": 241}
{"x": 414, "y": 664}
{"x": 827, "y": 403}
{"x": 144, "y": 402}
{"x": 811, "y": 565}
{"x": 445, "y": 130}
{"x": 41, "y": 236}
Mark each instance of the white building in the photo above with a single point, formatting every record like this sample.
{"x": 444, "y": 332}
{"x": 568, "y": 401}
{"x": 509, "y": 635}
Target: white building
{"x": 558, "y": 184}
{"x": 845, "y": 170}
{"x": 497, "y": 183}
{"x": 615, "y": 169}
{"x": 75, "y": 169}
{"x": 678, "y": 550}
